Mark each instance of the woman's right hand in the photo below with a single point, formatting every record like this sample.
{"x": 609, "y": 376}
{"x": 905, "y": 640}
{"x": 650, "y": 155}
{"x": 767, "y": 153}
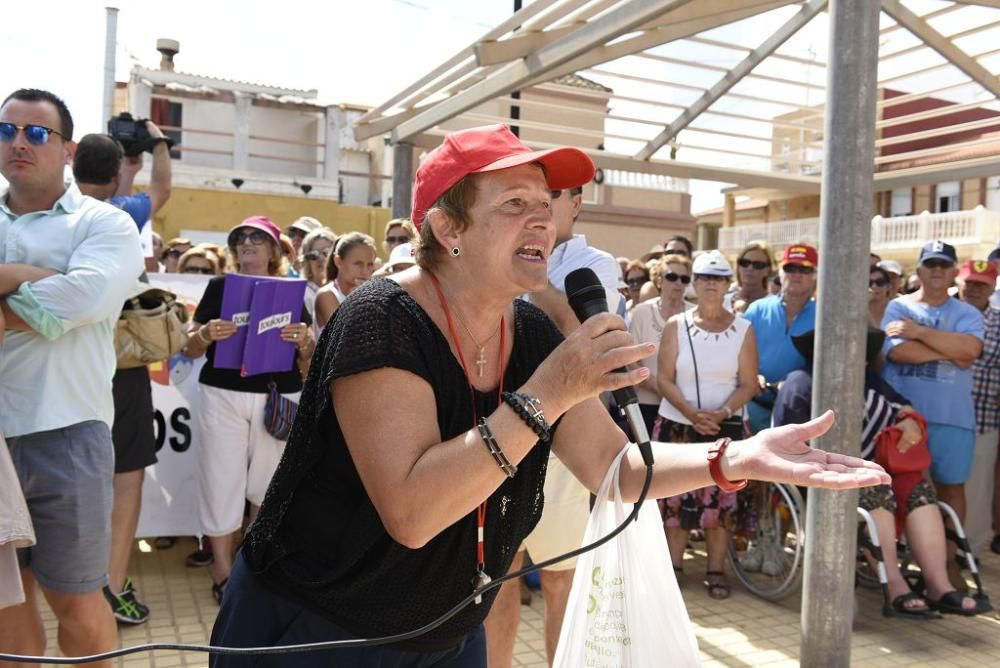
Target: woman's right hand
{"x": 587, "y": 363}
{"x": 217, "y": 330}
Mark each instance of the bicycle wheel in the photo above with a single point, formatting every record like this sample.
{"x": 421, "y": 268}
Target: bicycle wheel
{"x": 766, "y": 556}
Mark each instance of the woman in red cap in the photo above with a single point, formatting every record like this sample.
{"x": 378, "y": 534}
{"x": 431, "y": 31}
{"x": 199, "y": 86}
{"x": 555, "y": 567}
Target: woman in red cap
{"x": 237, "y": 454}
{"x": 384, "y": 514}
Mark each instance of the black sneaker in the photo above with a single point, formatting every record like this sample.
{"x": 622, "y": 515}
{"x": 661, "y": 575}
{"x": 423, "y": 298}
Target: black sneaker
{"x": 125, "y": 606}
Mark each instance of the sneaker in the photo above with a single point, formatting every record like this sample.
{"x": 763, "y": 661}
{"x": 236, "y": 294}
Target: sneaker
{"x": 201, "y": 557}
{"x": 125, "y": 606}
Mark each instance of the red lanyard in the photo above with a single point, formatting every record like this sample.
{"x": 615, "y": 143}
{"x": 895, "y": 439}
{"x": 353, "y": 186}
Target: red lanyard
{"x": 481, "y": 512}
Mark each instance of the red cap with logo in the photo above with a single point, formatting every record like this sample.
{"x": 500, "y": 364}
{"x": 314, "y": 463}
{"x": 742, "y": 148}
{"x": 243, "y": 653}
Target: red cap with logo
{"x": 488, "y": 149}
{"x": 978, "y": 270}
{"x": 800, "y": 254}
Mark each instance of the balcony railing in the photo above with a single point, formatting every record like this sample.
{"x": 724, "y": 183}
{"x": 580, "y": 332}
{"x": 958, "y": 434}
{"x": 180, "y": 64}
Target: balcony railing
{"x": 978, "y": 225}
{"x": 644, "y": 181}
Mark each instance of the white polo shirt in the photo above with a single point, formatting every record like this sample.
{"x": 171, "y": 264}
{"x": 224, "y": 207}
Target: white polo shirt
{"x": 574, "y": 254}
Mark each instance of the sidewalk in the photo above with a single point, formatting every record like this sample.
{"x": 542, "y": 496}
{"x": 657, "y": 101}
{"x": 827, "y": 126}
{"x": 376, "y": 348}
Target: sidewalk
{"x": 740, "y": 631}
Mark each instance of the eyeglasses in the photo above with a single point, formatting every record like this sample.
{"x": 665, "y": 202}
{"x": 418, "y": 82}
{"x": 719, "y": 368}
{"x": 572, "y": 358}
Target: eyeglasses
{"x": 879, "y": 282}
{"x": 173, "y": 252}
{"x": 756, "y": 264}
{"x": 391, "y": 239}
{"x": 640, "y": 281}
{"x": 673, "y": 278}
{"x": 710, "y": 277}
{"x": 296, "y": 233}
{"x": 937, "y": 264}
{"x": 198, "y": 270}
{"x": 318, "y": 254}
{"x": 798, "y": 269}
{"x": 255, "y": 237}
{"x": 35, "y": 134}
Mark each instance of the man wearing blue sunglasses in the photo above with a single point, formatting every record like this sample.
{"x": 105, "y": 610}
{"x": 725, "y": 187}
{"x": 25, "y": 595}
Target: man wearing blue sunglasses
{"x": 69, "y": 262}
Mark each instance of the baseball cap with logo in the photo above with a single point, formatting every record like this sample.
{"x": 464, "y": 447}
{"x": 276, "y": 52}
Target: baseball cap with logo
{"x": 800, "y": 254}
{"x": 711, "y": 263}
{"x": 938, "y": 250}
{"x": 489, "y": 149}
{"x": 978, "y": 270}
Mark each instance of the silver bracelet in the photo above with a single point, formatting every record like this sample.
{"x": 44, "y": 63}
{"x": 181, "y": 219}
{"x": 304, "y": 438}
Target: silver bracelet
{"x": 498, "y": 454}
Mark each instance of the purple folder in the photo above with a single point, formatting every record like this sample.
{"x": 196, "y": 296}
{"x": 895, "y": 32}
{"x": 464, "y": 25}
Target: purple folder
{"x": 276, "y": 302}
{"x": 236, "y": 297}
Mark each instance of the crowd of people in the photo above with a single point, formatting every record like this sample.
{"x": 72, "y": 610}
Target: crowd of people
{"x": 716, "y": 355}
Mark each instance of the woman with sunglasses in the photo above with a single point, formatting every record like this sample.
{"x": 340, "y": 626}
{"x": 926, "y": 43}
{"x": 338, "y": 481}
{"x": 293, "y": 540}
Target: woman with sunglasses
{"x": 707, "y": 373}
{"x": 398, "y": 231}
{"x": 671, "y": 276}
{"x": 199, "y": 260}
{"x": 237, "y": 455}
{"x": 879, "y": 294}
{"x": 349, "y": 266}
{"x": 316, "y": 249}
{"x": 172, "y": 253}
{"x": 754, "y": 266}
{"x": 636, "y": 275}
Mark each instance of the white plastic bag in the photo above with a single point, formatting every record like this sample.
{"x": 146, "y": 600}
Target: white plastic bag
{"x": 625, "y": 610}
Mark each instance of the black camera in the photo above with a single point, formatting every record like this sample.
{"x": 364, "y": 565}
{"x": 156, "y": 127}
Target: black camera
{"x": 132, "y": 134}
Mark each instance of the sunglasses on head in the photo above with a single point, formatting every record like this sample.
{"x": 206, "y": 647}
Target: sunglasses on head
{"x": 673, "y": 278}
{"x": 879, "y": 282}
{"x": 35, "y": 134}
{"x": 255, "y": 237}
{"x": 391, "y": 239}
{"x": 798, "y": 269}
{"x": 640, "y": 281}
{"x": 318, "y": 254}
{"x": 937, "y": 264}
{"x": 756, "y": 264}
{"x": 198, "y": 270}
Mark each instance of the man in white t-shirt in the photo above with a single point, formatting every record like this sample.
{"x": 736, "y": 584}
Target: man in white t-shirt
{"x": 567, "y": 508}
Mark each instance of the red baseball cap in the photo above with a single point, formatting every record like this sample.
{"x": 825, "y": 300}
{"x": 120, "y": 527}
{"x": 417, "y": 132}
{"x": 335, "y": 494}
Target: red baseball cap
{"x": 800, "y": 254}
{"x": 978, "y": 270}
{"x": 489, "y": 149}
{"x": 262, "y": 223}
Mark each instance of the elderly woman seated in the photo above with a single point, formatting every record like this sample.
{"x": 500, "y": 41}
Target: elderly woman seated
{"x": 917, "y": 514}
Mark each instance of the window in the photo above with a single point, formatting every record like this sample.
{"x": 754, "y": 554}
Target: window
{"x": 993, "y": 193}
{"x": 902, "y": 202}
{"x": 169, "y": 117}
{"x": 949, "y": 196}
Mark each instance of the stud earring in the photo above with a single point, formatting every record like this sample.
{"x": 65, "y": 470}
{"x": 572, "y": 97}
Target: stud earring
{"x": 455, "y": 251}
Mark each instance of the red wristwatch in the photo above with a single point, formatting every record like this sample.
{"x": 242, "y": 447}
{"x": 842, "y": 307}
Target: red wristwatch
{"x": 715, "y": 467}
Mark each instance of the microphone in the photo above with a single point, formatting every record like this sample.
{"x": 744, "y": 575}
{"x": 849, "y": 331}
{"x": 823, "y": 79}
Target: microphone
{"x": 587, "y": 298}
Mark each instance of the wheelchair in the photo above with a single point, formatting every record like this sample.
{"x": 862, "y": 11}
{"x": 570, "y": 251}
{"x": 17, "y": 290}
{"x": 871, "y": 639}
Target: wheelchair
{"x": 766, "y": 554}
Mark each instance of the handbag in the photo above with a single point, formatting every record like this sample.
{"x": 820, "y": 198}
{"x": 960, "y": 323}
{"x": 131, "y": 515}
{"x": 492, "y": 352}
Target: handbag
{"x": 624, "y": 608}
{"x": 151, "y": 328}
{"x": 916, "y": 459}
{"x": 279, "y": 413}
{"x": 732, "y": 427}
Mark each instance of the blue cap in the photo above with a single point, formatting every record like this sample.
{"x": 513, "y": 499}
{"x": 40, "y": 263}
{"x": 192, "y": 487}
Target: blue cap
{"x": 994, "y": 254}
{"x": 938, "y": 250}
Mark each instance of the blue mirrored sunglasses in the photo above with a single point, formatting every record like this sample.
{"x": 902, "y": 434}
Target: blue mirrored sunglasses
{"x": 35, "y": 134}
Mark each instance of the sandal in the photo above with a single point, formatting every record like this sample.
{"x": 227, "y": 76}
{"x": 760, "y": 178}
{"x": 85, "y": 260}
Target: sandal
{"x": 717, "y": 590}
{"x": 219, "y": 590}
{"x": 899, "y": 608}
{"x": 951, "y": 604}
{"x": 165, "y": 542}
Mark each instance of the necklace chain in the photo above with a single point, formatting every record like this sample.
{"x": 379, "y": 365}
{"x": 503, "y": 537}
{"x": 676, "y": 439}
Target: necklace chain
{"x": 481, "y": 347}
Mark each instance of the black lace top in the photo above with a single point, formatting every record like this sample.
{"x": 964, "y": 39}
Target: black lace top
{"x": 318, "y": 538}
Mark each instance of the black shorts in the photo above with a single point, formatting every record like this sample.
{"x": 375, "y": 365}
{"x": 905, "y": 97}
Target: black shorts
{"x": 132, "y": 432}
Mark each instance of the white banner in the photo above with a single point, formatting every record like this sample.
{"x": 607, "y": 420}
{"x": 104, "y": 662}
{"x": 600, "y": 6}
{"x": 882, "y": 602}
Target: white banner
{"x": 170, "y": 494}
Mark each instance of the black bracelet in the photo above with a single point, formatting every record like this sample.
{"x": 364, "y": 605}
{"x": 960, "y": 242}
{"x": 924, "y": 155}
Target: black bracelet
{"x": 529, "y": 408}
{"x": 498, "y": 454}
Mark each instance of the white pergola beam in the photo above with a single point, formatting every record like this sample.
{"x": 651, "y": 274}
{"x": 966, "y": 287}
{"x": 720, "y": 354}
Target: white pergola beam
{"x": 944, "y": 46}
{"x": 733, "y": 77}
{"x": 983, "y": 3}
{"x": 512, "y": 76}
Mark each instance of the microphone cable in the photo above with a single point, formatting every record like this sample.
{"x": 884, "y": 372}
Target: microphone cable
{"x": 354, "y": 642}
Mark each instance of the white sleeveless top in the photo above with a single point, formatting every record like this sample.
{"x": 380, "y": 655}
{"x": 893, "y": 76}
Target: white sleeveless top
{"x": 718, "y": 357}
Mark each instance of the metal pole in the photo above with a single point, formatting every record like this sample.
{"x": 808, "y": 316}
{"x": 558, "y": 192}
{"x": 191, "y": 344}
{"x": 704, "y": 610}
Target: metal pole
{"x": 402, "y": 179}
{"x": 110, "y": 40}
{"x": 842, "y": 316}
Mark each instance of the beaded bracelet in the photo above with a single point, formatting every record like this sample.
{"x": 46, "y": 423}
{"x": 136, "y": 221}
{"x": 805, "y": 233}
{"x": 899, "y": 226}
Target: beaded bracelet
{"x": 494, "y": 447}
{"x": 529, "y": 408}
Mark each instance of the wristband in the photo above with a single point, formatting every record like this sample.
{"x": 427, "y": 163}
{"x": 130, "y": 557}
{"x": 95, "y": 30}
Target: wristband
{"x": 729, "y": 411}
{"x": 201, "y": 337}
{"x": 715, "y": 454}
{"x": 498, "y": 454}
{"x": 529, "y": 409}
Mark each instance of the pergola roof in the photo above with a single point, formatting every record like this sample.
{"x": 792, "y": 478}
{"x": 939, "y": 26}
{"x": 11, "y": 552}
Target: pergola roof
{"x": 735, "y": 89}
